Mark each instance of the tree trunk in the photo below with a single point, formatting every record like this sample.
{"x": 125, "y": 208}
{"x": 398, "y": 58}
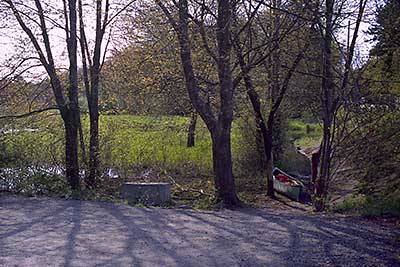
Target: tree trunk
{"x": 329, "y": 98}
{"x": 91, "y": 82}
{"x": 327, "y": 88}
{"x": 264, "y": 135}
{"x": 266, "y": 139}
{"x": 82, "y": 143}
{"x": 192, "y": 130}
{"x": 219, "y": 127}
{"x": 94, "y": 147}
{"x": 71, "y": 149}
{"x": 93, "y": 98}
{"x": 259, "y": 147}
{"x": 269, "y": 163}
{"x": 69, "y": 109}
{"x": 261, "y": 129}
{"x": 223, "y": 174}
{"x": 275, "y": 93}
{"x": 72, "y": 118}
{"x": 315, "y": 157}
{"x": 270, "y": 180}
{"x": 320, "y": 185}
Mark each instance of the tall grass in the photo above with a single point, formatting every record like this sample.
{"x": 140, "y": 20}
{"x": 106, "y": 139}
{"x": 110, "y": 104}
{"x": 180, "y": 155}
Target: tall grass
{"x": 131, "y": 142}
{"x": 130, "y": 145}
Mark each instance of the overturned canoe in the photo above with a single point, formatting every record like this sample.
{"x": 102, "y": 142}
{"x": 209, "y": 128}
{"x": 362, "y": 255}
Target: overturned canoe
{"x": 287, "y": 185}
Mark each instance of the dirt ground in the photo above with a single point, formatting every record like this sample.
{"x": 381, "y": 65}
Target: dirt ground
{"x": 55, "y": 232}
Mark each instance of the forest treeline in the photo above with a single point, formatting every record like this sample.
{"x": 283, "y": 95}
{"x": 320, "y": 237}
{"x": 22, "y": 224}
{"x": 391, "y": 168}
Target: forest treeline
{"x": 263, "y": 63}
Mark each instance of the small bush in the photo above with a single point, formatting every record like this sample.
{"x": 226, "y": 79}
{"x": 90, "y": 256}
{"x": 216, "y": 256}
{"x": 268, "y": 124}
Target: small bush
{"x": 30, "y": 181}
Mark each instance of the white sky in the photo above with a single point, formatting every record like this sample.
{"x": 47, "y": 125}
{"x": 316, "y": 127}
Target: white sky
{"x": 12, "y": 36}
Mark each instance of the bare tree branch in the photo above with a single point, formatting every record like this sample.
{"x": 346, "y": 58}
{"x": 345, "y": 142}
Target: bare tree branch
{"x": 20, "y": 116}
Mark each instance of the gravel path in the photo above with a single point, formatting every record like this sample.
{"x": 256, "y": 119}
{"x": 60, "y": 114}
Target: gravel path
{"x": 49, "y": 232}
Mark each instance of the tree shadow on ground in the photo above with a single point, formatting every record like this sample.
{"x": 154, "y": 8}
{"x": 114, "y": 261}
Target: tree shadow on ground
{"x": 75, "y": 233}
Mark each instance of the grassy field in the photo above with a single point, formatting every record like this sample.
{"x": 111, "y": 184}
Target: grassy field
{"x": 137, "y": 148}
{"x": 141, "y": 142}
{"x": 132, "y": 142}
{"x": 304, "y": 134}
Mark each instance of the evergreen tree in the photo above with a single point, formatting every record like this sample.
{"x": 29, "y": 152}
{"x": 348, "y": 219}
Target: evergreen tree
{"x": 386, "y": 32}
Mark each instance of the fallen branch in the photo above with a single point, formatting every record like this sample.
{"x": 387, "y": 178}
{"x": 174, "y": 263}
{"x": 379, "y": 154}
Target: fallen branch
{"x": 20, "y": 116}
{"x": 182, "y": 189}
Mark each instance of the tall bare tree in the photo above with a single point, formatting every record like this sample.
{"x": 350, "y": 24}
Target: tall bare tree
{"x": 72, "y": 15}
{"x": 264, "y": 49}
{"x": 333, "y": 88}
{"x": 91, "y": 72}
{"x": 92, "y": 61}
{"x": 218, "y": 122}
{"x": 67, "y": 104}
